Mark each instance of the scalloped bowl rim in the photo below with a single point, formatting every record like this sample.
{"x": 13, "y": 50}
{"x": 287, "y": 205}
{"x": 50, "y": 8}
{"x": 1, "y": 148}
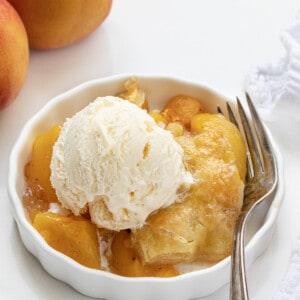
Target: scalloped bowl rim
{"x": 38, "y": 247}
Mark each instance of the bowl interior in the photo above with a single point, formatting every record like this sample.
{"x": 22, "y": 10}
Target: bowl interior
{"x": 158, "y": 91}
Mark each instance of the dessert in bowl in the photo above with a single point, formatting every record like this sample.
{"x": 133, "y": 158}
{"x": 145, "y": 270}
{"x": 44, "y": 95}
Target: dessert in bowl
{"x": 179, "y": 271}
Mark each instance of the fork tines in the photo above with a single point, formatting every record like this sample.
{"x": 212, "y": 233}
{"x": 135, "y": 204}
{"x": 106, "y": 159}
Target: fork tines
{"x": 257, "y": 143}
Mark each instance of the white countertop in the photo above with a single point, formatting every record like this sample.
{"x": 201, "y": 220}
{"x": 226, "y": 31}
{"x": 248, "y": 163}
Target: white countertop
{"x": 215, "y": 42}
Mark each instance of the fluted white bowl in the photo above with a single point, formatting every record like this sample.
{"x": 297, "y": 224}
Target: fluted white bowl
{"x": 101, "y": 284}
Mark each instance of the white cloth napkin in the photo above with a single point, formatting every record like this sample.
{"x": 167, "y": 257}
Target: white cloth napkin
{"x": 276, "y": 86}
{"x": 275, "y": 89}
{"x": 290, "y": 285}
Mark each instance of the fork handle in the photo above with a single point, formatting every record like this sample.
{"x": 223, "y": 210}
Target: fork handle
{"x": 238, "y": 284}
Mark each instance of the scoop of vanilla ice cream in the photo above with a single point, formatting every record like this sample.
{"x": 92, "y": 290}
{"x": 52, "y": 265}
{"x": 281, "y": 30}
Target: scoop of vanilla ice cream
{"x": 113, "y": 157}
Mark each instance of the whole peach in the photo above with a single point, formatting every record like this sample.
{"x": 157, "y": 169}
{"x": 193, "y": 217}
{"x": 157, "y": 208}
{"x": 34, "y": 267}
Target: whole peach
{"x": 57, "y": 23}
{"x": 14, "y": 54}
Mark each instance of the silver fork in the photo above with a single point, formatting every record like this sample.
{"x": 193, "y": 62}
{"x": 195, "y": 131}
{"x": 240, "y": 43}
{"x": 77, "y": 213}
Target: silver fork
{"x": 261, "y": 183}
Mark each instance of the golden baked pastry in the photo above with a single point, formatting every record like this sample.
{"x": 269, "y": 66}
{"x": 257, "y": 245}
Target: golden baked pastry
{"x": 200, "y": 227}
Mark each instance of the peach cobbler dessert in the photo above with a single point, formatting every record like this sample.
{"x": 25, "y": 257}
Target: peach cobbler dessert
{"x": 135, "y": 192}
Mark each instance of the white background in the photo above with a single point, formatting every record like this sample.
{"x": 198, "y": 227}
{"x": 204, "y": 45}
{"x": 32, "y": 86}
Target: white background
{"x": 215, "y": 42}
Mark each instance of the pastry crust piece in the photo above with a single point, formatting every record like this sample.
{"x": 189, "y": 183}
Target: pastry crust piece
{"x": 200, "y": 228}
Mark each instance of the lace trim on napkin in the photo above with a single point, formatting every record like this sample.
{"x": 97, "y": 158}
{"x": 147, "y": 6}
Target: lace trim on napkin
{"x": 290, "y": 285}
{"x": 272, "y": 84}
